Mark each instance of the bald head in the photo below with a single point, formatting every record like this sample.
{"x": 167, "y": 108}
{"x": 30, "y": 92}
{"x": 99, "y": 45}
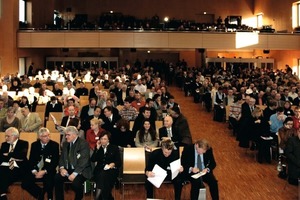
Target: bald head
{"x": 168, "y": 121}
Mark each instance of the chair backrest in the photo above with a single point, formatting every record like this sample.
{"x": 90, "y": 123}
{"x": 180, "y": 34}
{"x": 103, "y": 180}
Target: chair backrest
{"x": 180, "y": 150}
{"x": 30, "y": 137}
{"x": 57, "y": 115}
{"x": 131, "y": 123}
{"x": 2, "y": 137}
{"x": 227, "y": 112}
{"x": 51, "y": 126}
{"x": 134, "y": 161}
{"x": 40, "y": 108}
{"x": 55, "y": 137}
{"x": 158, "y": 124}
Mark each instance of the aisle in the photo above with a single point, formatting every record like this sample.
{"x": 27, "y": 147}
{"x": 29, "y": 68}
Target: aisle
{"x": 239, "y": 175}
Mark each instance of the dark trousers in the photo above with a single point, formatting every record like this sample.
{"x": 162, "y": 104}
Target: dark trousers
{"x": 76, "y": 185}
{"x": 29, "y": 184}
{"x": 105, "y": 180}
{"x": 235, "y": 125}
{"x": 177, "y": 183}
{"x": 8, "y": 177}
{"x": 196, "y": 184}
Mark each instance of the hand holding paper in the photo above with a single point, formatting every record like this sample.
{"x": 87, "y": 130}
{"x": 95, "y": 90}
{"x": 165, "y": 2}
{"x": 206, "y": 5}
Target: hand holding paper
{"x": 160, "y": 175}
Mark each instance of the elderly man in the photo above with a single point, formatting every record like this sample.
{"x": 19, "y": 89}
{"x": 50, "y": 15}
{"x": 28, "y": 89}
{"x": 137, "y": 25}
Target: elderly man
{"x": 43, "y": 160}
{"x": 30, "y": 122}
{"x": 13, "y": 160}
{"x": 163, "y": 157}
{"x": 167, "y": 132}
{"x": 74, "y": 164}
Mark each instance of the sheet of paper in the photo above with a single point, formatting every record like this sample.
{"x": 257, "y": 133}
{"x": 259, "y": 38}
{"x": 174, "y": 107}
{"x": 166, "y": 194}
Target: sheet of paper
{"x": 175, "y": 167}
{"x": 195, "y": 176}
{"x": 53, "y": 118}
{"x": 267, "y": 138}
{"x": 160, "y": 175}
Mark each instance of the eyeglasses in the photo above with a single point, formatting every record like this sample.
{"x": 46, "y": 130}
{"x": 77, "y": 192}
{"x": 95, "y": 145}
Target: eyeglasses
{"x": 68, "y": 135}
{"x": 290, "y": 124}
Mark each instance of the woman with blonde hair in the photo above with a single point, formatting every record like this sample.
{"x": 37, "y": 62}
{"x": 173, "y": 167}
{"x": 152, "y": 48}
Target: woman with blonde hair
{"x": 94, "y": 133}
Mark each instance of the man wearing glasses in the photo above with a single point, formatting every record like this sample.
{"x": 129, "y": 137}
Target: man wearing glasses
{"x": 13, "y": 160}
{"x": 43, "y": 160}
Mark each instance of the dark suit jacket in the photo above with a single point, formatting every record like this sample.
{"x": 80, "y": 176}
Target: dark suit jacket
{"x": 50, "y": 156}
{"x": 164, "y": 133}
{"x": 188, "y": 159}
{"x": 81, "y": 92}
{"x": 111, "y": 126}
{"x": 73, "y": 121}
{"x": 157, "y": 157}
{"x": 112, "y": 155}
{"x": 296, "y": 101}
{"x": 80, "y": 157}
{"x": 84, "y": 115}
{"x": 49, "y": 108}
{"x": 20, "y": 153}
{"x": 181, "y": 126}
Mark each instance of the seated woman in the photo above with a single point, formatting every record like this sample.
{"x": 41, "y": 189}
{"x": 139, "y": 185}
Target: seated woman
{"x": 10, "y": 120}
{"x": 24, "y": 102}
{"x": 106, "y": 171}
{"x": 123, "y": 137}
{"x": 146, "y": 137}
{"x": 93, "y": 134}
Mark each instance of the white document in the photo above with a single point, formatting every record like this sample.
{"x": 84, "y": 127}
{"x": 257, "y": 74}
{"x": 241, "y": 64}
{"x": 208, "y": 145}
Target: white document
{"x": 160, "y": 175}
{"x": 195, "y": 176}
{"x": 267, "y": 138}
{"x": 175, "y": 167}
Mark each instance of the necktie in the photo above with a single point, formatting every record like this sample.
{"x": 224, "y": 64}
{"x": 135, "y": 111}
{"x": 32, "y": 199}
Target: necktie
{"x": 104, "y": 149}
{"x": 169, "y": 133}
{"x": 199, "y": 162}
{"x": 41, "y": 163}
{"x": 11, "y": 161}
{"x": 70, "y": 155}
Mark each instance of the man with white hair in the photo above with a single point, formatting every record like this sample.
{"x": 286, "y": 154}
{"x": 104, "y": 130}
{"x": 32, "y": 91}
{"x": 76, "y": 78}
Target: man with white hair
{"x": 74, "y": 164}
{"x": 167, "y": 132}
{"x": 13, "y": 160}
{"x": 43, "y": 160}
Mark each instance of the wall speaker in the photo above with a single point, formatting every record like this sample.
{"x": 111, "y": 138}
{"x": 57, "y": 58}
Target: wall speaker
{"x": 265, "y": 51}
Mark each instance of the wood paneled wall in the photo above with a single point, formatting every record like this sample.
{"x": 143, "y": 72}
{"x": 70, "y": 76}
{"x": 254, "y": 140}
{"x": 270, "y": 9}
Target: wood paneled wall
{"x": 169, "y": 40}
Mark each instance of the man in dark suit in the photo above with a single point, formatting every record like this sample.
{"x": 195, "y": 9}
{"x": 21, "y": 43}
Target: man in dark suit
{"x": 181, "y": 126}
{"x": 197, "y": 158}
{"x": 163, "y": 157}
{"x": 43, "y": 160}
{"x": 246, "y": 118}
{"x": 87, "y": 110}
{"x": 81, "y": 91}
{"x": 74, "y": 164}
{"x": 13, "y": 160}
{"x": 167, "y": 132}
{"x": 53, "y": 106}
{"x": 110, "y": 121}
